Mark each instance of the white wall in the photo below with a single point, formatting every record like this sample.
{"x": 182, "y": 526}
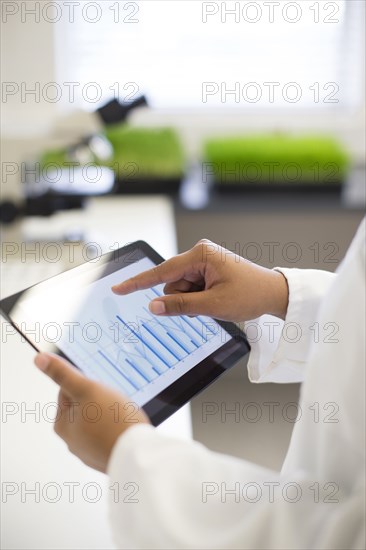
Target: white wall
{"x": 27, "y": 56}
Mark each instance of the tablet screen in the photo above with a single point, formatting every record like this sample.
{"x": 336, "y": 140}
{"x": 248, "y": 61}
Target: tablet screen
{"x": 115, "y": 339}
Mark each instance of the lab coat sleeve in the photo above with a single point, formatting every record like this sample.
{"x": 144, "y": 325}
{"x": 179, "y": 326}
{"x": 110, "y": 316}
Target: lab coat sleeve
{"x": 177, "y": 494}
{"x": 280, "y": 349}
{"x": 185, "y": 496}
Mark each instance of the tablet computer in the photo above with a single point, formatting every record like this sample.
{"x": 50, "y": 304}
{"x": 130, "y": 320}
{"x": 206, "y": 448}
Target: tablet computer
{"x": 160, "y": 363}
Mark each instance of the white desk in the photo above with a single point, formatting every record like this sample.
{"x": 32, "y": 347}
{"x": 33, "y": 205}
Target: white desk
{"x": 30, "y": 451}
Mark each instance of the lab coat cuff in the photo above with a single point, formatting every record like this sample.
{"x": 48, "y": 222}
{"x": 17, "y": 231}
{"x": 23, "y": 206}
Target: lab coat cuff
{"x": 130, "y": 439}
{"x": 280, "y": 349}
{"x": 307, "y": 288}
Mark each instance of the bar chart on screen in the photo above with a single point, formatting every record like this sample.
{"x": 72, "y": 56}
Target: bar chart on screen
{"x": 129, "y": 348}
{"x": 149, "y": 347}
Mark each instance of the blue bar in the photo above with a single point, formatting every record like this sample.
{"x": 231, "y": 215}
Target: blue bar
{"x": 186, "y": 333}
{"x": 117, "y": 369}
{"x": 206, "y": 325}
{"x": 182, "y": 336}
{"x": 175, "y": 323}
{"x": 149, "y": 360}
{"x": 198, "y": 317}
{"x": 156, "y": 292}
{"x": 160, "y": 342}
{"x": 145, "y": 343}
{"x": 193, "y": 328}
{"x": 178, "y": 343}
{"x": 148, "y": 311}
{"x": 153, "y": 366}
{"x": 137, "y": 369}
{"x": 189, "y": 335}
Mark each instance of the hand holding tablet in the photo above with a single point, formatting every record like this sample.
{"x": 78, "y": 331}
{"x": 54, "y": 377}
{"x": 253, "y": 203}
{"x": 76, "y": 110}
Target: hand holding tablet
{"x": 158, "y": 363}
{"x": 90, "y": 440}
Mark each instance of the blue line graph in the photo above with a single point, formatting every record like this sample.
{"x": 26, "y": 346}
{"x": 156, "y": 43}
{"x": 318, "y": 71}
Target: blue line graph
{"x": 159, "y": 344}
{"x": 150, "y": 346}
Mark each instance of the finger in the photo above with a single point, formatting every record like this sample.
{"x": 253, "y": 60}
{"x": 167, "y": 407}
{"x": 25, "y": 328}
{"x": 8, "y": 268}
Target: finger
{"x": 166, "y": 272}
{"x": 181, "y": 286}
{"x": 190, "y": 303}
{"x": 71, "y": 381}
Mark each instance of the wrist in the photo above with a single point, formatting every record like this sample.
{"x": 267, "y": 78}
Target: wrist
{"x": 279, "y": 295}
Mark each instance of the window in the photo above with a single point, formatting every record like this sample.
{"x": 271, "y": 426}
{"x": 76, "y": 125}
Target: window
{"x": 195, "y": 54}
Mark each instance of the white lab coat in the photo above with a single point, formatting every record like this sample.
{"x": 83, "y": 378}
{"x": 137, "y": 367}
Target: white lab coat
{"x": 317, "y": 501}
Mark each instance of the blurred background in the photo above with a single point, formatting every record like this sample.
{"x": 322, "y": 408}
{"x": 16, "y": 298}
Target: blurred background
{"x": 241, "y": 122}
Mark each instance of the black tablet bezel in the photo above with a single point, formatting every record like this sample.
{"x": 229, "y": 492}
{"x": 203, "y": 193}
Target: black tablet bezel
{"x": 191, "y": 383}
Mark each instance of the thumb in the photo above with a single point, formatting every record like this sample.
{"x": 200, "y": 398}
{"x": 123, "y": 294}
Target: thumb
{"x": 70, "y": 380}
{"x": 186, "y": 303}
